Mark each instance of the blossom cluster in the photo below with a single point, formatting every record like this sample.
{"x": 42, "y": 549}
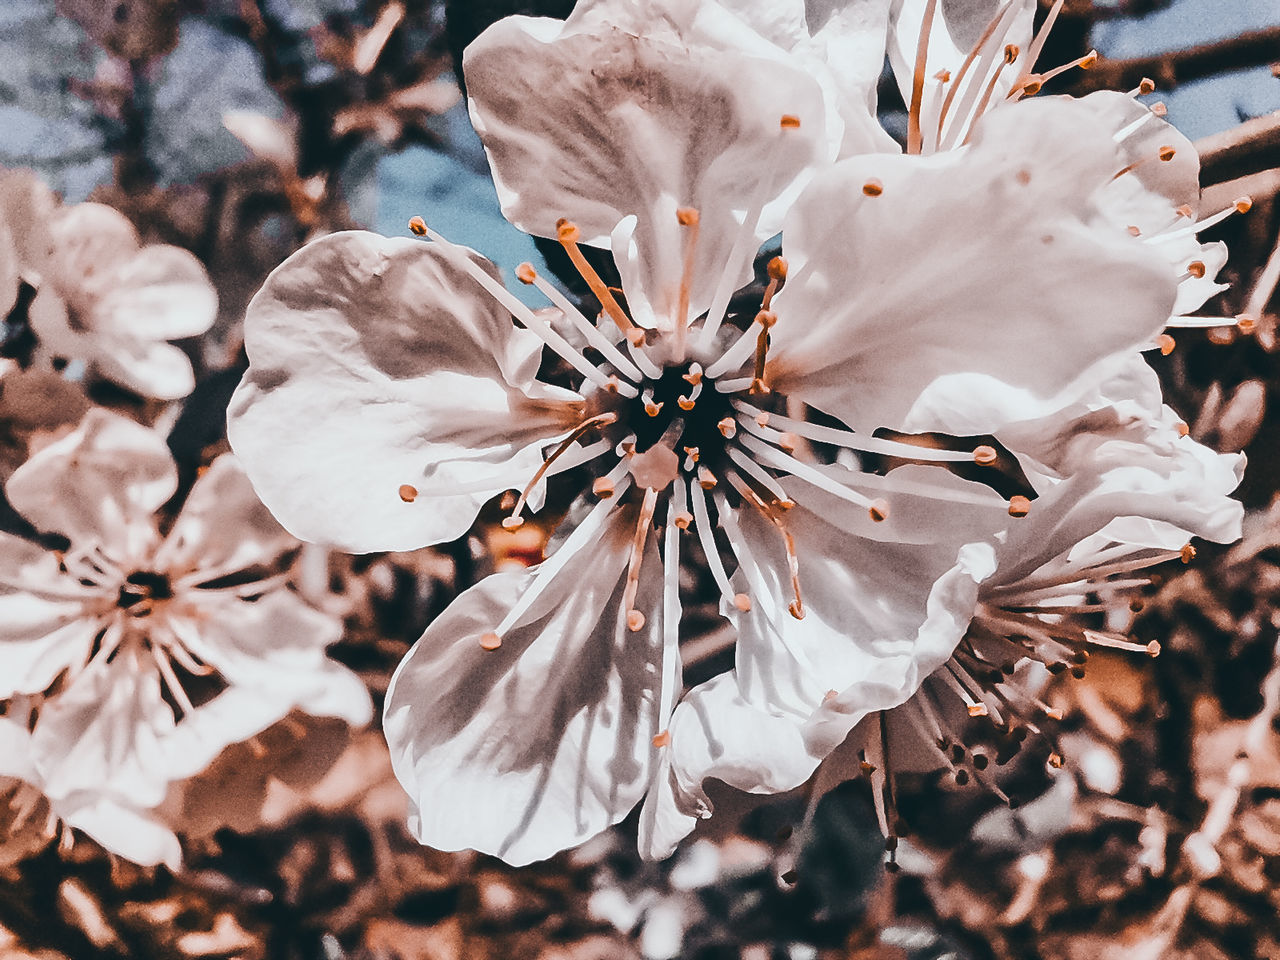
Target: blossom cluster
{"x": 920, "y": 455}
{"x": 890, "y": 401}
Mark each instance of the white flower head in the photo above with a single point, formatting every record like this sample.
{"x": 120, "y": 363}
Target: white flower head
{"x": 132, "y": 657}
{"x": 111, "y": 303}
{"x": 390, "y": 395}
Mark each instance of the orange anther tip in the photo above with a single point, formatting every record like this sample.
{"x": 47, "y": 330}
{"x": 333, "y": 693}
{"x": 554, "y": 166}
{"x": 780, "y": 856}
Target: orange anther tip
{"x": 1196, "y": 268}
{"x": 1011, "y": 53}
{"x": 789, "y": 121}
{"x": 1023, "y": 177}
{"x": 635, "y": 337}
{"x": 1153, "y": 648}
{"x": 1019, "y": 506}
{"x": 653, "y": 409}
{"x": 418, "y": 226}
{"x": 525, "y": 273}
{"x": 1244, "y": 205}
{"x": 727, "y": 427}
{"x": 977, "y": 709}
{"x": 1089, "y": 59}
{"x": 408, "y": 492}
{"x": 1246, "y": 323}
{"x": 512, "y": 523}
{"x": 686, "y": 403}
{"x": 785, "y": 505}
{"x": 763, "y": 419}
{"x": 943, "y": 75}
{"x": 766, "y": 318}
{"x": 1187, "y": 553}
{"x": 1031, "y": 86}
{"x": 1167, "y": 153}
{"x": 635, "y": 620}
{"x": 662, "y": 739}
{"x": 567, "y": 232}
{"x": 683, "y": 520}
{"x": 686, "y": 216}
{"x": 985, "y": 455}
{"x": 1159, "y": 109}
{"x": 879, "y": 510}
{"x": 777, "y": 268}
{"x": 1135, "y": 231}
{"x": 796, "y": 609}
{"x": 1055, "y": 759}
{"x": 1166, "y": 344}
{"x": 873, "y": 188}
{"x": 602, "y": 487}
{"x": 706, "y": 479}
{"x": 788, "y": 441}
{"x": 1184, "y": 210}
{"x": 490, "y": 641}
{"x": 1182, "y": 429}
{"x": 742, "y": 602}
{"x": 1146, "y": 85}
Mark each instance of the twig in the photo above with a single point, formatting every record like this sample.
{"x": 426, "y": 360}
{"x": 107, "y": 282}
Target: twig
{"x": 1249, "y": 148}
{"x": 1255, "y": 48}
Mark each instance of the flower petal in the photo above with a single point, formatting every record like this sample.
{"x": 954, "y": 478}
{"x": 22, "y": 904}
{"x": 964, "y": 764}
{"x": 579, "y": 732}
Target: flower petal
{"x": 162, "y": 293}
{"x": 966, "y": 261}
{"x": 98, "y": 486}
{"x": 376, "y": 363}
{"x": 121, "y": 828}
{"x": 223, "y": 526}
{"x": 641, "y": 109}
{"x": 540, "y": 744}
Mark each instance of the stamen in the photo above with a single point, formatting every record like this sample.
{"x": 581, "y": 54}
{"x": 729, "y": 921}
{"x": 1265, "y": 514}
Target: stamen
{"x": 526, "y": 316}
{"x": 1010, "y": 55}
{"x": 527, "y": 274}
{"x": 766, "y": 319}
{"x": 706, "y": 536}
{"x": 757, "y": 473}
{"x": 568, "y": 235}
{"x": 635, "y": 619}
{"x": 745, "y": 243}
{"x": 490, "y": 641}
{"x": 796, "y": 606}
{"x": 777, "y": 270}
{"x": 514, "y": 521}
{"x": 688, "y": 218}
{"x": 804, "y": 471}
{"x": 171, "y": 680}
{"x": 740, "y": 350}
{"x": 1038, "y": 42}
{"x": 1145, "y": 86}
{"x": 1086, "y": 62}
{"x": 1151, "y": 649}
{"x": 915, "y": 140}
{"x": 992, "y": 26}
{"x": 408, "y": 492}
{"x": 840, "y": 438}
{"x": 1019, "y": 506}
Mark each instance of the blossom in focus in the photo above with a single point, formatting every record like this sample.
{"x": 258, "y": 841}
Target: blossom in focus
{"x": 537, "y": 709}
{"x": 131, "y": 657}
{"x": 101, "y": 297}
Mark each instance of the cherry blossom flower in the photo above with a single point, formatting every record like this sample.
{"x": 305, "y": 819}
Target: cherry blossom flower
{"x": 132, "y": 658}
{"x": 111, "y": 303}
{"x": 535, "y": 711}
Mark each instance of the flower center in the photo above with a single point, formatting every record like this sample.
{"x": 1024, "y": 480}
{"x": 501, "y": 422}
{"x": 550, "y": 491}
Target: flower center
{"x": 140, "y": 591}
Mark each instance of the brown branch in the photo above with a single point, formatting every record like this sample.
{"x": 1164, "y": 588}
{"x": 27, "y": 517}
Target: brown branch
{"x": 1249, "y": 148}
{"x": 1252, "y": 49}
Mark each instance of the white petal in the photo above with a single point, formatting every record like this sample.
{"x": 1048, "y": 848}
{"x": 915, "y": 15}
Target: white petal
{"x": 150, "y": 368}
{"x": 536, "y": 746}
{"x": 99, "y": 485}
{"x": 162, "y": 293}
{"x": 87, "y": 242}
{"x": 376, "y": 363}
{"x": 121, "y": 828}
{"x": 223, "y": 526}
{"x": 969, "y": 261}
{"x": 640, "y": 109}
{"x": 15, "y": 752}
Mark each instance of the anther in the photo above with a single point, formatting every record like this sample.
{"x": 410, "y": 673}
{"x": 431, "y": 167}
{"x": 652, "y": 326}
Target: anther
{"x": 943, "y": 75}
{"x": 1167, "y": 153}
{"x": 635, "y": 620}
{"x": 662, "y": 739}
{"x": 1184, "y": 211}
{"x": 694, "y": 376}
{"x": 1088, "y": 61}
{"x": 1145, "y": 86}
{"x": 1019, "y": 506}
{"x": 742, "y": 602}
{"x": 977, "y": 709}
{"x": 408, "y": 492}
{"x": 1244, "y": 205}
{"x": 873, "y": 187}
{"x": 787, "y": 442}
{"x": 1182, "y": 428}
{"x": 1196, "y": 268}
{"x": 652, "y": 409}
{"x": 985, "y": 455}
{"x": 1135, "y": 231}
{"x": 1159, "y": 109}
{"x": 706, "y": 479}
{"x": 490, "y": 641}
{"x": 418, "y": 226}
{"x": 1166, "y": 344}
{"x": 777, "y": 268}
{"x": 728, "y": 428}
{"x": 796, "y": 609}
{"x": 763, "y": 419}
{"x": 1011, "y": 52}
{"x": 1246, "y": 323}
{"x": 686, "y": 403}
{"x": 602, "y": 487}
{"x": 512, "y": 523}
{"x": 1056, "y": 761}
{"x": 686, "y": 216}
{"x": 1187, "y": 553}
{"x": 879, "y": 510}
{"x": 683, "y": 519}
{"x": 789, "y": 121}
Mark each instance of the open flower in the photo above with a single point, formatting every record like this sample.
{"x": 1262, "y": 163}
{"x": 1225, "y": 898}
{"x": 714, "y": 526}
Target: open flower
{"x": 535, "y": 711}
{"x": 133, "y": 658}
{"x": 111, "y": 303}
